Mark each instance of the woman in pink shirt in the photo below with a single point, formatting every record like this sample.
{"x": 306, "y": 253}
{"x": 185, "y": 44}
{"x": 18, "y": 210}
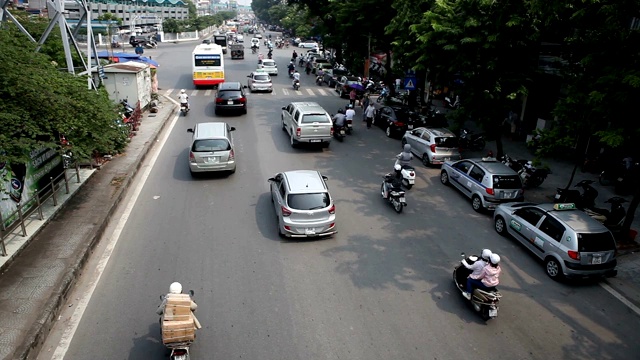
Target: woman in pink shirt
{"x": 488, "y": 278}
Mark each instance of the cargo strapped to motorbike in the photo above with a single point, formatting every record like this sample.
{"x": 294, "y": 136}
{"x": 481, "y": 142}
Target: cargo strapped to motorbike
{"x": 178, "y": 321}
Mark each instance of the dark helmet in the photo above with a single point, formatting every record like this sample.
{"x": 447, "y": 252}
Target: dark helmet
{"x": 340, "y": 111}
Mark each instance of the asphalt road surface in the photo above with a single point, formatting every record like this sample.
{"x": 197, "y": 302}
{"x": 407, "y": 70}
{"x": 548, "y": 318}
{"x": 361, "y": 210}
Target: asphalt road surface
{"x": 379, "y": 289}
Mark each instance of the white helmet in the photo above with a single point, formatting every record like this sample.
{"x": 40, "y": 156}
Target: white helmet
{"x": 183, "y": 91}
{"x": 495, "y": 259}
{"x": 397, "y": 167}
{"x": 175, "y": 288}
{"x": 486, "y": 254}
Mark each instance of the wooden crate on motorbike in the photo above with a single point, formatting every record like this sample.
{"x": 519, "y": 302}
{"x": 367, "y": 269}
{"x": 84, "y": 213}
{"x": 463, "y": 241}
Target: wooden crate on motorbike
{"x": 174, "y": 331}
{"x": 178, "y": 308}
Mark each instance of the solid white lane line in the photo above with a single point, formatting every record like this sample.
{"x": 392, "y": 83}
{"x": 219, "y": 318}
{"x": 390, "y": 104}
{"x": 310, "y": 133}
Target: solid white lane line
{"x": 81, "y": 306}
{"x": 620, "y": 297}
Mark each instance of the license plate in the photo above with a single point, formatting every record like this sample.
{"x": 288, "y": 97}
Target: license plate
{"x": 620, "y": 179}
{"x": 557, "y": 196}
{"x": 315, "y": 140}
{"x": 410, "y": 127}
{"x": 309, "y": 231}
{"x": 596, "y": 260}
{"x": 349, "y": 125}
{"x": 401, "y": 199}
{"x": 493, "y": 312}
{"x": 230, "y": 102}
{"x": 212, "y": 160}
{"x": 341, "y": 132}
{"x": 507, "y": 195}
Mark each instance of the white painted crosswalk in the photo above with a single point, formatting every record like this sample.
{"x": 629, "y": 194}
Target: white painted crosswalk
{"x": 277, "y": 91}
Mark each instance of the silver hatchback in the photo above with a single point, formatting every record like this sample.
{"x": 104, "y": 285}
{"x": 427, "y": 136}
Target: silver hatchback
{"x": 569, "y": 241}
{"x": 433, "y": 145}
{"x": 303, "y": 205}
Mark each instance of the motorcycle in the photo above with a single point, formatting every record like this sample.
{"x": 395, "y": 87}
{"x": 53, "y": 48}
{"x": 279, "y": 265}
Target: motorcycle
{"x": 383, "y": 94}
{"x": 612, "y": 218}
{"x": 179, "y": 350}
{"x": 583, "y": 200}
{"x": 184, "y": 108}
{"x": 471, "y": 141}
{"x": 531, "y": 176}
{"x": 349, "y": 126}
{"x": 396, "y": 195}
{"x": 269, "y": 55}
{"x": 151, "y": 44}
{"x": 290, "y": 73}
{"x": 296, "y": 84}
{"x": 338, "y": 132}
{"x": 484, "y": 302}
{"x": 127, "y": 110}
{"x": 408, "y": 176}
{"x": 319, "y": 80}
{"x": 254, "y": 50}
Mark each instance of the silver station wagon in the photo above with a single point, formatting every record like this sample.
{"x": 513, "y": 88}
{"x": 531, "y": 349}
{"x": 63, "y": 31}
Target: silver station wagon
{"x": 303, "y": 205}
{"x": 569, "y": 241}
{"x": 487, "y": 182}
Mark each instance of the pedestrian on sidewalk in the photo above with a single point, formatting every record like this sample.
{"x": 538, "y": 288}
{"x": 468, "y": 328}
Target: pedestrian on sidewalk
{"x": 365, "y": 104}
{"x": 369, "y": 112}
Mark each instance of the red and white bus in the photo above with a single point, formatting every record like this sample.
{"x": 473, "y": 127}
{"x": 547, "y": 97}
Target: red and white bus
{"x": 207, "y": 65}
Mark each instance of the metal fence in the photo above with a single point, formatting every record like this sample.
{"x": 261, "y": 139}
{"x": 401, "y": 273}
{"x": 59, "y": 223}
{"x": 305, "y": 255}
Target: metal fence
{"x": 34, "y": 206}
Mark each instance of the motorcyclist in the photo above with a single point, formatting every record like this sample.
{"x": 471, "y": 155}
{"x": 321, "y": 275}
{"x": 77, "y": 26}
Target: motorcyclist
{"x": 487, "y": 278}
{"x": 294, "y": 56}
{"x": 296, "y": 77}
{"x": 184, "y": 98}
{"x": 319, "y": 75}
{"x": 350, "y": 113}
{"x": 339, "y": 119}
{"x": 308, "y": 68}
{"x": 174, "y": 288}
{"x": 394, "y": 182}
{"x": 291, "y": 67}
{"x": 405, "y": 157}
{"x": 270, "y": 54}
{"x": 260, "y": 58}
{"x": 477, "y": 266}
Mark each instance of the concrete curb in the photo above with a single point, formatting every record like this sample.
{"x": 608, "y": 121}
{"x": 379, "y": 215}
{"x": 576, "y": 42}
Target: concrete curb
{"x": 40, "y": 330}
{"x": 59, "y": 208}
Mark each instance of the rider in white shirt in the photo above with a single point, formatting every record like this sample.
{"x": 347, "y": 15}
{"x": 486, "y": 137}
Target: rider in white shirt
{"x": 184, "y": 98}
{"x": 296, "y": 76}
{"x": 350, "y": 113}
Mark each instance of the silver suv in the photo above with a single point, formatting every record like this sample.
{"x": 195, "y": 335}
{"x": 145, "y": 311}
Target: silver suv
{"x": 568, "y": 240}
{"x": 432, "y": 145}
{"x": 487, "y": 182}
{"x": 307, "y": 122}
{"x": 303, "y": 205}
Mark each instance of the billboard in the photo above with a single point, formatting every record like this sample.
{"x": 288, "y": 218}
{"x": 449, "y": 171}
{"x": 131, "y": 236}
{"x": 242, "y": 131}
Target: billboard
{"x": 20, "y": 182}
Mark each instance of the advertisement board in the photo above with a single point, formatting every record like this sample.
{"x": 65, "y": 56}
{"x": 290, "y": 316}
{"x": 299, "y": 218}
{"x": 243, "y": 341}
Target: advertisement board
{"x": 20, "y": 182}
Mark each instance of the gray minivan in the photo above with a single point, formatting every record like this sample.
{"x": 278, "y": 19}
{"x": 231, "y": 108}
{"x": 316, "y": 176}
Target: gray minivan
{"x": 211, "y": 148}
{"x": 307, "y": 122}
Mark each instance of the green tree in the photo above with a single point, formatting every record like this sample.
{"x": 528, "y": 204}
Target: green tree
{"x": 38, "y": 103}
{"x": 601, "y": 75}
{"x": 491, "y": 46}
{"x": 171, "y": 26}
{"x": 261, "y": 8}
{"x": 109, "y": 17}
{"x": 277, "y": 13}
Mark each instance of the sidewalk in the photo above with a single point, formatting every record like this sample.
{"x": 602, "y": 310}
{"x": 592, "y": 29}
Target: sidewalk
{"x": 46, "y": 263}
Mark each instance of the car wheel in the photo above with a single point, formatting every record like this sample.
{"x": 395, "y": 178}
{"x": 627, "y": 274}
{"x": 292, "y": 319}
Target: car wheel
{"x": 217, "y": 111}
{"x": 553, "y": 268}
{"x": 244, "y": 111}
{"x": 284, "y": 128}
{"x": 476, "y": 203}
{"x": 426, "y": 161}
{"x": 444, "y": 178}
{"x": 388, "y": 132}
{"x": 500, "y": 226}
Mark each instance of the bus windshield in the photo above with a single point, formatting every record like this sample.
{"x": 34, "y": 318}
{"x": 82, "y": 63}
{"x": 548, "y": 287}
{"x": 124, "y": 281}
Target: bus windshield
{"x": 207, "y": 60}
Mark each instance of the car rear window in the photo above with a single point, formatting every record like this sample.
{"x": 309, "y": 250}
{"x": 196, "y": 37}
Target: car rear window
{"x": 506, "y": 182}
{"x": 268, "y": 63}
{"x": 447, "y": 142}
{"x": 208, "y": 145}
{"x": 312, "y": 201}
{"x": 313, "y": 118}
{"x": 261, "y": 77}
{"x": 229, "y": 94}
{"x": 594, "y": 242}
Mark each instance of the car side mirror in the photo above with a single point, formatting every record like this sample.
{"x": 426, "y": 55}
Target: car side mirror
{"x": 271, "y": 179}
{"x": 245, "y": 87}
{"x": 248, "y": 76}
{"x": 232, "y": 129}
{"x": 325, "y": 178}
{"x": 284, "y": 108}
{"x": 191, "y": 292}
{"x": 190, "y": 130}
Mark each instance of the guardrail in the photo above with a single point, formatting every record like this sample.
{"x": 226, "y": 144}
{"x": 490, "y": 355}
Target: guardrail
{"x": 41, "y": 196}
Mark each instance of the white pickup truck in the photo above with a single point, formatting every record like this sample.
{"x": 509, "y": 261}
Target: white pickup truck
{"x": 307, "y": 122}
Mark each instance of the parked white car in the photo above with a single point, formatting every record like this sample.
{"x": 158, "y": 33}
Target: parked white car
{"x": 308, "y": 44}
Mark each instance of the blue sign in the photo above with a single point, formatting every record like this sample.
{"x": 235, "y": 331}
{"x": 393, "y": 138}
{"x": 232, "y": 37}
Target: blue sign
{"x": 410, "y": 83}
